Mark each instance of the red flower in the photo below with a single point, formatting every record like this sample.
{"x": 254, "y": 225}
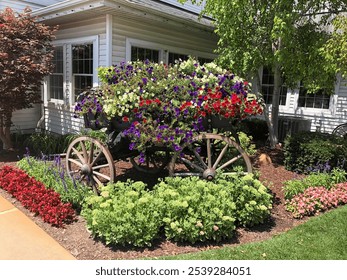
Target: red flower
{"x": 125, "y": 119}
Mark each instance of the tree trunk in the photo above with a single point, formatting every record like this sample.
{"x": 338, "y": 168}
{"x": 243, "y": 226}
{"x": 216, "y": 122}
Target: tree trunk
{"x": 5, "y": 130}
{"x": 267, "y": 114}
{"x": 275, "y": 105}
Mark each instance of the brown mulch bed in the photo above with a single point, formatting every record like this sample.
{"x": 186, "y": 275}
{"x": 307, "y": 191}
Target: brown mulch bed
{"x": 76, "y": 238}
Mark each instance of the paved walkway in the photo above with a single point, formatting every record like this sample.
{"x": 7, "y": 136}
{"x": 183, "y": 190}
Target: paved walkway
{"x": 22, "y": 239}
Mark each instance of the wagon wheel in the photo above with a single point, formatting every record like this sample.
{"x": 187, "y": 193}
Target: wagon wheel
{"x": 89, "y": 161}
{"x": 155, "y": 161}
{"x": 208, "y": 154}
{"x": 341, "y": 130}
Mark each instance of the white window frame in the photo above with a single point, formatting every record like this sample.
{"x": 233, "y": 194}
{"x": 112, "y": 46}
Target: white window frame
{"x": 46, "y": 86}
{"x": 68, "y": 85}
{"x": 281, "y": 107}
{"x": 164, "y": 50}
{"x": 142, "y": 44}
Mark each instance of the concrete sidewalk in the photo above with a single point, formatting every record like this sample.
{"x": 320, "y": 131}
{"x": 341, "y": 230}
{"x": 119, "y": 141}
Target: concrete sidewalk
{"x": 22, "y": 239}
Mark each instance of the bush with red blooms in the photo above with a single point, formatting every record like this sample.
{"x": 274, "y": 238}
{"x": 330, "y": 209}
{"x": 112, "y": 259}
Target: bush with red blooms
{"x": 35, "y": 197}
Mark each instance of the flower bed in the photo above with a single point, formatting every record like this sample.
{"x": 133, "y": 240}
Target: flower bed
{"x": 35, "y": 197}
{"x": 167, "y": 104}
{"x": 317, "y": 199}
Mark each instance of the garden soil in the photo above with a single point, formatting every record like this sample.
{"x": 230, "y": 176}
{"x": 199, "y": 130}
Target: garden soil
{"x": 77, "y": 239}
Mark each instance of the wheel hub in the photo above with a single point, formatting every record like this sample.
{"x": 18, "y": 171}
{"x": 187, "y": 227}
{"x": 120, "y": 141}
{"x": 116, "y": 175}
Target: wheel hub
{"x": 86, "y": 169}
{"x": 209, "y": 174}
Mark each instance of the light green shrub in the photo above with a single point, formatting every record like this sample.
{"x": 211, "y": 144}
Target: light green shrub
{"x": 125, "y": 213}
{"x": 199, "y": 210}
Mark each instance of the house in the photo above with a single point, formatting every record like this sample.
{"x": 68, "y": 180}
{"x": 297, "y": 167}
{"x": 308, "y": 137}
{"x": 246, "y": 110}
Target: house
{"x": 97, "y": 33}
{"x": 101, "y": 33}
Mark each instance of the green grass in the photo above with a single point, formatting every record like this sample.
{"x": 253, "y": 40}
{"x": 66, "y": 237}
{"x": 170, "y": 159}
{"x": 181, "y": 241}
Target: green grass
{"x": 320, "y": 238}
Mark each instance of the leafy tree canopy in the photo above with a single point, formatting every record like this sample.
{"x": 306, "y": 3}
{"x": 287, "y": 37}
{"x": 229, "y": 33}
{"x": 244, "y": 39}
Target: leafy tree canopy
{"x": 25, "y": 59}
{"x": 288, "y": 33}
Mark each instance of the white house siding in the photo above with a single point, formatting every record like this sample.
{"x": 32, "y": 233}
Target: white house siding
{"x": 324, "y": 120}
{"x": 59, "y": 118}
{"x": 167, "y": 36}
{"x": 25, "y": 121}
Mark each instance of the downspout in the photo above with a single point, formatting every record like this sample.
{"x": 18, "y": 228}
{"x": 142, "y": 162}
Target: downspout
{"x": 39, "y": 125}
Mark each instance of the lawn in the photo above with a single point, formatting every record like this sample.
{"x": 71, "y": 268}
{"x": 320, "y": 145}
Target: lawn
{"x": 320, "y": 238}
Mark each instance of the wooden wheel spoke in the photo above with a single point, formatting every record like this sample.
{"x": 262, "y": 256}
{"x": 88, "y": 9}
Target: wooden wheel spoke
{"x": 96, "y": 167}
{"x": 96, "y": 159}
{"x": 81, "y": 178}
{"x": 108, "y": 178}
{"x": 74, "y": 171}
{"x": 220, "y": 156}
{"x": 84, "y": 150}
{"x": 191, "y": 164}
{"x": 209, "y": 155}
{"x": 96, "y": 179}
{"x": 91, "y": 154}
{"x": 78, "y": 154}
{"x": 229, "y": 162}
{"x": 78, "y": 163}
{"x": 199, "y": 158}
{"x": 186, "y": 174}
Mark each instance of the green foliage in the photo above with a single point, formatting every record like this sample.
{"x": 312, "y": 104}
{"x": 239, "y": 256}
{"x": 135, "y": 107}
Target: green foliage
{"x": 188, "y": 209}
{"x": 335, "y": 49}
{"x": 246, "y": 143}
{"x": 275, "y": 33}
{"x": 52, "y": 175}
{"x": 320, "y": 238}
{"x": 313, "y": 151}
{"x": 125, "y": 213}
{"x": 26, "y": 56}
{"x": 327, "y": 180}
{"x": 48, "y": 144}
{"x": 199, "y": 210}
{"x": 257, "y": 128}
{"x": 196, "y": 210}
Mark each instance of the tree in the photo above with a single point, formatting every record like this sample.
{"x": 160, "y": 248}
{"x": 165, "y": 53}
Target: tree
{"x": 25, "y": 59}
{"x": 335, "y": 50}
{"x": 286, "y": 35}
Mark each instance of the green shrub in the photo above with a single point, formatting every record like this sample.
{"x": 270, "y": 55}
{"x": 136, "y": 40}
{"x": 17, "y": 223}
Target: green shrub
{"x": 48, "y": 144}
{"x": 199, "y": 210}
{"x": 253, "y": 201}
{"x": 125, "y": 213}
{"x": 52, "y": 175}
{"x": 306, "y": 152}
{"x": 257, "y": 128}
{"x": 294, "y": 187}
{"x": 246, "y": 143}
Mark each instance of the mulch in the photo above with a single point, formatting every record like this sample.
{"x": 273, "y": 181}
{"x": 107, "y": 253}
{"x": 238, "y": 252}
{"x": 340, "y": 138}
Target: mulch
{"x": 77, "y": 239}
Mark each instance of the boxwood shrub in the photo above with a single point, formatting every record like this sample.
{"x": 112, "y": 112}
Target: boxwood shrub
{"x": 307, "y": 152}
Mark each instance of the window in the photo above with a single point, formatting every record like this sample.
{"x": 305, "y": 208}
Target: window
{"x": 267, "y": 88}
{"x": 82, "y": 67}
{"x": 56, "y": 90}
{"x": 176, "y": 56}
{"x": 319, "y": 100}
{"x": 141, "y": 54}
{"x": 203, "y": 60}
